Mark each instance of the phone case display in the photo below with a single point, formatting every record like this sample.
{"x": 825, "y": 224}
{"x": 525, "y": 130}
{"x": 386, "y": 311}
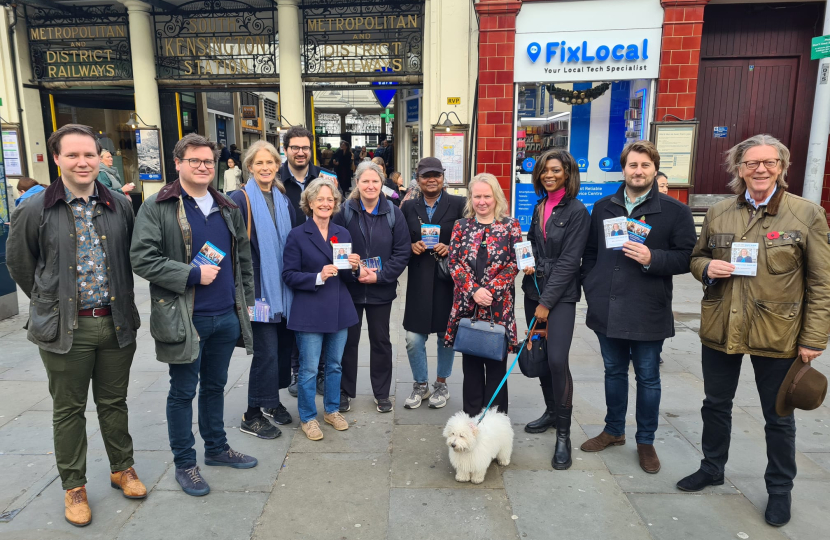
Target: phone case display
{"x": 531, "y": 141}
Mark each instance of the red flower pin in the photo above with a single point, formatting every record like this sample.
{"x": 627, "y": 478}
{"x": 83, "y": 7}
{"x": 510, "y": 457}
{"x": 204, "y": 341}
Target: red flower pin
{"x": 773, "y": 235}
{"x": 333, "y": 239}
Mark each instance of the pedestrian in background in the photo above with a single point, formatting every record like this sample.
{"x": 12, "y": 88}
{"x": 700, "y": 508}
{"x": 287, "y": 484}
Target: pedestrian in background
{"x": 268, "y": 216}
{"x": 197, "y": 312}
{"x": 109, "y": 176}
{"x": 629, "y": 296}
{"x": 322, "y": 310}
{"x": 82, "y": 315}
{"x": 379, "y": 235}
{"x": 428, "y": 293}
{"x": 233, "y": 176}
{"x": 27, "y": 187}
{"x": 343, "y": 166}
{"x": 557, "y": 235}
{"x": 662, "y": 183}
{"x": 778, "y": 316}
{"x": 483, "y": 267}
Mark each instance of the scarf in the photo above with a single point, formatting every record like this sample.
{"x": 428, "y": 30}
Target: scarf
{"x": 113, "y": 175}
{"x": 271, "y": 240}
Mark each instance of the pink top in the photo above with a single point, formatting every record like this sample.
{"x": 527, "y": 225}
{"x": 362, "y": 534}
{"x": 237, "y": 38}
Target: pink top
{"x": 554, "y": 198}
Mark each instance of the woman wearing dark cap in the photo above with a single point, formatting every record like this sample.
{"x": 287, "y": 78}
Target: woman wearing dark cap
{"x": 558, "y": 234}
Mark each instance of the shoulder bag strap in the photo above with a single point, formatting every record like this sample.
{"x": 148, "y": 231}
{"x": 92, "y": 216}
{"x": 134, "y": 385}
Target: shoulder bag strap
{"x": 248, "y": 200}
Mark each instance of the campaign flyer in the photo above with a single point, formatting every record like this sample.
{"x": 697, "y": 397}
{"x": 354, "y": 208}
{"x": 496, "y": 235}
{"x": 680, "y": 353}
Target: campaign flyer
{"x": 208, "y": 255}
{"x": 327, "y": 175}
{"x": 524, "y": 255}
{"x": 616, "y": 231}
{"x": 341, "y": 256}
{"x": 372, "y": 263}
{"x": 637, "y": 231}
{"x": 260, "y": 312}
{"x": 430, "y": 234}
{"x": 745, "y": 258}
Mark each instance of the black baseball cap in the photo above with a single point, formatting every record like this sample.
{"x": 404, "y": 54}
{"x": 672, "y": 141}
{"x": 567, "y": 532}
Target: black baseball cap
{"x": 428, "y": 165}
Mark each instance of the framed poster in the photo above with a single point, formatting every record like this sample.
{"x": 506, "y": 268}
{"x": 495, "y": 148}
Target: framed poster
{"x": 677, "y": 143}
{"x": 149, "y": 155}
{"x": 451, "y": 149}
{"x": 11, "y": 151}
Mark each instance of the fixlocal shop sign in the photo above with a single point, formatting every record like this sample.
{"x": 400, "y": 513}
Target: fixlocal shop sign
{"x": 588, "y": 40}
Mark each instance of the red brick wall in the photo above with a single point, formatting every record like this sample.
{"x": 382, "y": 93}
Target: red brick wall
{"x": 497, "y": 28}
{"x": 825, "y": 192}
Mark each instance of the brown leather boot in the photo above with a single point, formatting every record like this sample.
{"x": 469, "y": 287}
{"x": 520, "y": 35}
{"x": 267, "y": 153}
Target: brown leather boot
{"x": 77, "y": 507}
{"x": 601, "y": 442}
{"x": 129, "y": 484}
{"x": 649, "y": 461}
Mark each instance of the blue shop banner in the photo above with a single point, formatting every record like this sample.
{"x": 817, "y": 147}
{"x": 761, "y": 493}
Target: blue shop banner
{"x": 591, "y": 193}
{"x": 526, "y": 200}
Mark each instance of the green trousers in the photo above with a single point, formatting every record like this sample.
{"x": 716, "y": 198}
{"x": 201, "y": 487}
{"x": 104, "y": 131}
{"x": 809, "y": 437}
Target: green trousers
{"x": 94, "y": 356}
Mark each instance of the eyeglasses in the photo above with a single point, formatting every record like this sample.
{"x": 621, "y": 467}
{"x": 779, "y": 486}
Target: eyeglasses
{"x": 297, "y": 149}
{"x": 768, "y": 164}
{"x": 195, "y": 163}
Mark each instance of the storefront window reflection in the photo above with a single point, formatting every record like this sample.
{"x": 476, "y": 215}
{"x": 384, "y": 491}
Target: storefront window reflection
{"x": 593, "y": 121}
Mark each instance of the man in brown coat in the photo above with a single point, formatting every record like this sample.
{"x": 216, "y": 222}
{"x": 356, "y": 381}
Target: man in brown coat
{"x": 781, "y": 312}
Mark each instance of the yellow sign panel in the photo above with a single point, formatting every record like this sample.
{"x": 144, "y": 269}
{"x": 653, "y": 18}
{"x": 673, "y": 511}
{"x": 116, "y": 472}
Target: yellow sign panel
{"x": 453, "y": 101}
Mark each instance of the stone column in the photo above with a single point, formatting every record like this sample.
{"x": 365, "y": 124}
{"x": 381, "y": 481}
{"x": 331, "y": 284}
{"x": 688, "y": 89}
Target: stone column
{"x": 292, "y": 103}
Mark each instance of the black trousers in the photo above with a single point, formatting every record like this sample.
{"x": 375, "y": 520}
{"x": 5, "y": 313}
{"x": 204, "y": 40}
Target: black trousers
{"x": 481, "y": 378}
{"x": 720, "y": 381}
{"x": 558, "y": 387}
{"x": 380, "y": 351}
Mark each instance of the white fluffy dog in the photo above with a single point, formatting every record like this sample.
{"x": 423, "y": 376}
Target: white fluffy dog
{"x": 473, "y": 447}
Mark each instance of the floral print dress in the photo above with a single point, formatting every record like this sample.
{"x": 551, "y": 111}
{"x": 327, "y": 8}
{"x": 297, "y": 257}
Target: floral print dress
{"x": 499, "y": 274}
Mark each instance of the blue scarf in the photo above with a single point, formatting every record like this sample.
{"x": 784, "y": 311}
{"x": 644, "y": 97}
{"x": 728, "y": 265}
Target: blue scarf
{"x": 271, "y": 242}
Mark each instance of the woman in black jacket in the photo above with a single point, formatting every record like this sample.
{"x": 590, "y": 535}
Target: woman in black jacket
{"x": 380, "y": 236}
{"x": 558, "y": 234}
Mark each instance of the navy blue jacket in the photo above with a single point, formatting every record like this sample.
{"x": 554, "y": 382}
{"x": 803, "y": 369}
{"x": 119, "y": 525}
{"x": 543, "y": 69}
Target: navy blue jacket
{"x": 326, "y": 308}
{"x": 625, "y": 300}
{"x": 239, "y": 198}
{"x": 371, "y": 237}
{"x": 293, "y": 191}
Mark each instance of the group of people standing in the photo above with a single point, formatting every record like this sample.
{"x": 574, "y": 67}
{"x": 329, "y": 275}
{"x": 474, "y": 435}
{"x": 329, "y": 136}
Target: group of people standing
{"x": 278, "y": 293}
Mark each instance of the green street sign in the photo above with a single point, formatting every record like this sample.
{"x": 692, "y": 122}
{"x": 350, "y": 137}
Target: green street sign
{"x": 820, "y": 48}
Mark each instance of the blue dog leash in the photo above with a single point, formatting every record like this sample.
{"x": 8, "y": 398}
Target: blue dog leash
{"x": 509, "y": 371}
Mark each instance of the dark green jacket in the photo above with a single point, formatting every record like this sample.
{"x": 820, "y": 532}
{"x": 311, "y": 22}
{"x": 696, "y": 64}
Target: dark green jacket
{"x": 42, "y": 259}
{"x": 161, "y": 253}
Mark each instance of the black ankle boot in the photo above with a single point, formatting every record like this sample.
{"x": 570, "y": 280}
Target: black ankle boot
{"x": 562, "y": 453}
{"x": 541, "y": 424}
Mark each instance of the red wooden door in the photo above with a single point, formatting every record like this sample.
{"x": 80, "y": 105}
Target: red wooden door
{"x": 747, "y": 97}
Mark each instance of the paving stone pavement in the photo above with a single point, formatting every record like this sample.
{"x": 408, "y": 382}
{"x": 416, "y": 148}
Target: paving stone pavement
{"x": 389, "y": 477}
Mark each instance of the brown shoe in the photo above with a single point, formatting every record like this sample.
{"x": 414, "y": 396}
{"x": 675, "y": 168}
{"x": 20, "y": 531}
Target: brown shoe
{"x": 601, "y": 442}
{"x": 129, "y": 484}
{"x": 312, "y": 430}
{"x": 77, "y": 507}
{"x": 336, "y": 419}
{"x": 649, "y": 461}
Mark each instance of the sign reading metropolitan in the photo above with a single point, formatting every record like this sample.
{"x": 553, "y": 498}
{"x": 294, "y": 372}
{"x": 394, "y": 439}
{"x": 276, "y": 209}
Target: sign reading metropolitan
{"x": 86, "y": 44}
{"x": 344, "y": 37}
{"x": 217, "y": 40}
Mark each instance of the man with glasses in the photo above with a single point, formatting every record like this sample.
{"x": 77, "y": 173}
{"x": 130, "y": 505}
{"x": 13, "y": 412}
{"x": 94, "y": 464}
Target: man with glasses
{"x": 428, "y": 296}
{"x": 297, "y": 173}
{"x": 779, "y": 316}
{"x": 198, "y": 312}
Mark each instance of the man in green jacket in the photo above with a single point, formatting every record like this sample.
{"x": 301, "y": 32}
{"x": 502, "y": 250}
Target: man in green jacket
{"x": 68, "y": 249}
{"x": 199, "y": 306}
{"x": 779, "y": 313}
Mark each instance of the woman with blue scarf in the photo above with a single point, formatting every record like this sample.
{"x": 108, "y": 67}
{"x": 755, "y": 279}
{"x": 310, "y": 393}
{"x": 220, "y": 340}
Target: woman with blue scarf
{"x": 268, "y": 215}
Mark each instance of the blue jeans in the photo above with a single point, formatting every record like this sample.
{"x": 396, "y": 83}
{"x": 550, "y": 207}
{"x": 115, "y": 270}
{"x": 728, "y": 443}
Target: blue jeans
{"x": 311, "y": 344}
{"x": 616, "y": 354}
{"x": 210, "y": 372}
{"x": 416, "y": 350}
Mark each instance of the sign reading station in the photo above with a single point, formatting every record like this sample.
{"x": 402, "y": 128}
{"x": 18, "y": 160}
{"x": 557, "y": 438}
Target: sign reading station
{"x": 611, "y": 55}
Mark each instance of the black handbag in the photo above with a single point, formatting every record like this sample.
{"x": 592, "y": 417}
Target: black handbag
{"x": 443, "y": 266}
{"x": 485, "y": 339}
{"x": 533, "y": 358}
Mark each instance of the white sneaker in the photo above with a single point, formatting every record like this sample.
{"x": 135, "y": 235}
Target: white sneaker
{"x": 419, "y": 393}
{"x": 440, "y": 395}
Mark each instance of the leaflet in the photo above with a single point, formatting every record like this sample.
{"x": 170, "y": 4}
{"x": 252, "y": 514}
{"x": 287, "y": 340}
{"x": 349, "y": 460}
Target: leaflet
{"x": 208, "y": 255}
{"x": 745, "y": 258}
{"x": 327, "y": 175}
{"x": 341, "y": 254}
{"x": 637, "y": 231}
{"x": 524, "y": 255}
{"x": 616, "y": 231}
{"x": 260, "y": 312}
{"x": 372, "y": 263}
{"x": 430, "y": 234}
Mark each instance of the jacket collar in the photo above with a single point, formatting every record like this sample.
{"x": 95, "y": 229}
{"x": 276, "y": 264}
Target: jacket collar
{"x": 313, "y": 232}
{"x": 174, "y": 191}
{"x": 772, "y": 206}
{"x": 649, "y": 206}
{"x": 56, "y": 192}
{"x": 421, "y": 208}
{"x": 383, "y": 206}
{"x": 285, "y": 173}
